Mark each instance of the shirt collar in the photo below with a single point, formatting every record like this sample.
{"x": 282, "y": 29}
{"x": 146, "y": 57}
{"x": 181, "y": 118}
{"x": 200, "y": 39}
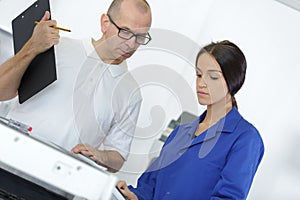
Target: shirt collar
{"x": 226, "y": 124}
{"x": 89, "y": 49}
{"x": 231, "y": 120}
{"x": 115, "y": 70}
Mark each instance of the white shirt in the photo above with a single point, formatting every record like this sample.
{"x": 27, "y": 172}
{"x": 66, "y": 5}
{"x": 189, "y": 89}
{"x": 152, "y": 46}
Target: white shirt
{"x": 90, "y": 102}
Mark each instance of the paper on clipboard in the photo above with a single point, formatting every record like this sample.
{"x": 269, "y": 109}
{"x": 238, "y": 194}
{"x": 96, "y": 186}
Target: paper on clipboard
{"x": 42, "y": 70}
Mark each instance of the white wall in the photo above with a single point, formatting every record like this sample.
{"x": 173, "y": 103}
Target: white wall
{"x": 268, "y": 33}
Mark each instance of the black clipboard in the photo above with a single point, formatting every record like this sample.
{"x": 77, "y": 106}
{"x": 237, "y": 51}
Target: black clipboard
{"x": 42, "y": 70}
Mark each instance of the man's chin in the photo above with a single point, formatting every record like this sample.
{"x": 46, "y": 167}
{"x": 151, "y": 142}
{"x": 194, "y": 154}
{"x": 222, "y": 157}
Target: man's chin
{"x": 122, "y": 57}
{"x": 125, "y": 56}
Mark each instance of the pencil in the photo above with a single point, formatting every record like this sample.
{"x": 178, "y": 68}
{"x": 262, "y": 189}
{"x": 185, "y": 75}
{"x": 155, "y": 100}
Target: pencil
{"x": 56, "y": 27}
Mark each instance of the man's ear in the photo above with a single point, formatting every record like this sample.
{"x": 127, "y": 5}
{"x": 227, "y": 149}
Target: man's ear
{"x": 104, "y": 23}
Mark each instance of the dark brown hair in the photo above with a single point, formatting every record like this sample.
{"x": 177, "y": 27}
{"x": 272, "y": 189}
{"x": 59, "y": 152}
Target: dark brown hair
{"x": 232, "y": 62}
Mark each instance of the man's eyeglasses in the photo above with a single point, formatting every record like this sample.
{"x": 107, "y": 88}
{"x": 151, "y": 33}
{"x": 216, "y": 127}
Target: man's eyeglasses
{"x": 126, "y": 34}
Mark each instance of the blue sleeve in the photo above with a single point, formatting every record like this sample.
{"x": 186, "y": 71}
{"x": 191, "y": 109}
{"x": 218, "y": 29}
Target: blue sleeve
{"x": 240, "y": 168}
{"x": 146, "y": 186}
{"x": 146, "y": 183}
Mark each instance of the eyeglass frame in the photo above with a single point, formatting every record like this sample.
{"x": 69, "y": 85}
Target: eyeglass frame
{"x": 148, "y": 36}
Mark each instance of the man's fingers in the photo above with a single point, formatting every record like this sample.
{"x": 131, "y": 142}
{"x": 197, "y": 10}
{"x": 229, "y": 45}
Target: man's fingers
{"x": 46, "y": 16}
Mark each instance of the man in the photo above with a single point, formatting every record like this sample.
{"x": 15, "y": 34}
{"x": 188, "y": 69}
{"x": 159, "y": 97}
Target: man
{"x": 95, "y": 102}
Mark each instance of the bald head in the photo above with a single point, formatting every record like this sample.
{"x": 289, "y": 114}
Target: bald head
{"x": 116, "y": 7}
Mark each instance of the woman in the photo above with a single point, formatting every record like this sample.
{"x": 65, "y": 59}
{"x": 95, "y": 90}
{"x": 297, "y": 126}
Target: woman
{"x": 215, "y": 156}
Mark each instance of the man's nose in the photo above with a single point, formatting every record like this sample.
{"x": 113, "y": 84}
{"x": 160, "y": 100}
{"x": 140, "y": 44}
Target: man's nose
{"x": 131, "y": 43}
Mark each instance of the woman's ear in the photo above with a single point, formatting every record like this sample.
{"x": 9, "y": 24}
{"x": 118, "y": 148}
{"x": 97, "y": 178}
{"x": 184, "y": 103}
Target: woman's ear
{"x": 104, "y": 23}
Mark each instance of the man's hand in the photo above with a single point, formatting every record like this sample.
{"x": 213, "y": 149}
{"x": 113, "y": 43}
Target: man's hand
{"x": 112, "y": 160}
{"x": 11, "y": 71}
{"x": 43, "y": 36}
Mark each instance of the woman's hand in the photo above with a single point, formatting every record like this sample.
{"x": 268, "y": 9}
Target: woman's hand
{"x": 122, "y": 185}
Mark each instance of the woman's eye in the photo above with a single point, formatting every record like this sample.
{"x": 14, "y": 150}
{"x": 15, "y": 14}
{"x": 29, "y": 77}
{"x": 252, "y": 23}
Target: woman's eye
{"x": 214, "y": 77}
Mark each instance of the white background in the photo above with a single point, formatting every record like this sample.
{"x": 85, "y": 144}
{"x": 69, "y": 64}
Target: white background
{"x": 268, "y": 33}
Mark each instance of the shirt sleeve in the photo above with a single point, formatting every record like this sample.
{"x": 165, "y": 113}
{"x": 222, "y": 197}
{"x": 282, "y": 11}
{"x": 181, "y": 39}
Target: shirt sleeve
{"x": 145, "y": 189}
{"x": 146, "y": 186}
{"x": 122, "y": 131}
{"x": 240, "y": 168}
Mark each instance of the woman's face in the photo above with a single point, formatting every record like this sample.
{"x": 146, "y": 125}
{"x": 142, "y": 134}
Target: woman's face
{"x": 211, "y": 86}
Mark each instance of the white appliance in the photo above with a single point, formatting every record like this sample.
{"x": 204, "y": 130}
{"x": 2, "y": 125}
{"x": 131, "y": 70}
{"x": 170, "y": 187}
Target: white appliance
{"x": 60, "y": 171}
